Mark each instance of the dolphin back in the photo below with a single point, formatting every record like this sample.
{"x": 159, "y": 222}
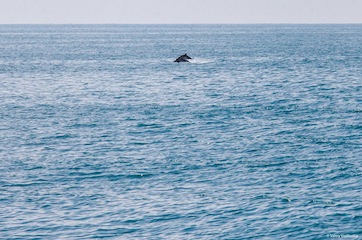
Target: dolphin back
{"x": 183, "y": 58}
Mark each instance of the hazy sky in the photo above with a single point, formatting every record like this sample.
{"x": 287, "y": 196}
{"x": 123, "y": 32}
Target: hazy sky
{"x": 180, "y": 11}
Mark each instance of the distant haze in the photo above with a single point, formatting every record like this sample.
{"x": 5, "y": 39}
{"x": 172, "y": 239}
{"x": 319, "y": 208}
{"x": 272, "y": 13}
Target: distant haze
{"x": 180, "y": 11}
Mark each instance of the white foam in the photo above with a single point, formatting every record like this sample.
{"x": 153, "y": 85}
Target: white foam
{"x": 200, "y": 60}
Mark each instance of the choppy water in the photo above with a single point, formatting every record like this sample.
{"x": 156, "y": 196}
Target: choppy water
{"x": 103, "y": 136}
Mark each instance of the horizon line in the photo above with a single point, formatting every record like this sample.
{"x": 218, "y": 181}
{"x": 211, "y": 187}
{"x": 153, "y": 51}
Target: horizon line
{"x": 256, "y": 23}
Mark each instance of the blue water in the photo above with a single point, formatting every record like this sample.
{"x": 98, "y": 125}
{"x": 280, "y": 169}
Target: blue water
{"x": 102, "y": 135}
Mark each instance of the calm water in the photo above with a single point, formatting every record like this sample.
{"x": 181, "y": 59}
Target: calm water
{"x": 103, "y": 136}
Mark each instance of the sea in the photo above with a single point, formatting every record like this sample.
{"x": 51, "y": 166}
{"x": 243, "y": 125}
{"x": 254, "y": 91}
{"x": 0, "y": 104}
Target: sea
{"x": 104, "y": 136}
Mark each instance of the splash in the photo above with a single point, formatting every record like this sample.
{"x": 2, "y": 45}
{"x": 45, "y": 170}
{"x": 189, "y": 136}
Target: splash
{"x": 200, "y": 60}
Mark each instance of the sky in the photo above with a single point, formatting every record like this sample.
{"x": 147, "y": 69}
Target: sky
{"x": 179, "y": 11}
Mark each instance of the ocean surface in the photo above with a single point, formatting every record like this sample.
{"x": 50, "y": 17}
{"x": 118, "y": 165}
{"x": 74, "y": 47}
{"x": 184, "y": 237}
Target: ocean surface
{"x": 102, "y": 135}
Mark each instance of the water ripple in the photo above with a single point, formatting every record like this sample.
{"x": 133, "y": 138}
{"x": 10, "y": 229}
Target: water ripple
{"x": 258, "y": 138}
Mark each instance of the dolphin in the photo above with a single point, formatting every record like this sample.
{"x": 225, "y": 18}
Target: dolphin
{"x": 183, "y": 58}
